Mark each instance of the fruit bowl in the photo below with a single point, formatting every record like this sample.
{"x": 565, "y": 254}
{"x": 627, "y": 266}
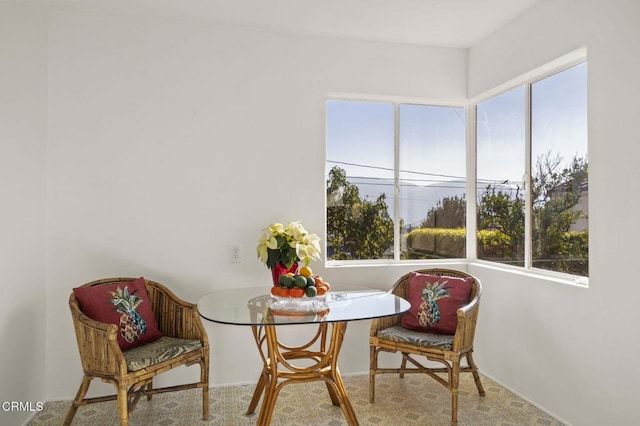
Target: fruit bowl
{"x": 295, "y": 305}
{"x": 299, "y": 300}
{"x": 295, "y": 317}
{"x": 298, "y": 293}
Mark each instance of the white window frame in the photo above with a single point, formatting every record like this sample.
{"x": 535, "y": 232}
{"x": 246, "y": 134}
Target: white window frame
{"x": 396, "y": 102}
{"x": 561, "y": 64}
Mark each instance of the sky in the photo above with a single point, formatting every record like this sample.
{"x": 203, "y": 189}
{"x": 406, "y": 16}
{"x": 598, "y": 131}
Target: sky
{"x": 558, "y": 125}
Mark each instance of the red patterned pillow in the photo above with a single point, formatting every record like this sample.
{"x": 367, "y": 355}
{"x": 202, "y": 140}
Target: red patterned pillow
{"x": 434, "y": 302}
{"x": 125, "y": 304}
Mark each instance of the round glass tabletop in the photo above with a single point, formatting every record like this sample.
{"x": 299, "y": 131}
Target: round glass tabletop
{"x": 254, "y": 306}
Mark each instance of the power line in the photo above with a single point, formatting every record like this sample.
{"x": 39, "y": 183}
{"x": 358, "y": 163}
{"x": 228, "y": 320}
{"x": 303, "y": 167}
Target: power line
{"x": 391, "y": 169}
{"x": 405, "y": 180}
{"x": 494, "y": 181}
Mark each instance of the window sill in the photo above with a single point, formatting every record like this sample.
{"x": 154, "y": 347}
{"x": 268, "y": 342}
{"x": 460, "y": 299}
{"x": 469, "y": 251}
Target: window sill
{"x": 390, "y": 262}
{"x": 540, "y": 274}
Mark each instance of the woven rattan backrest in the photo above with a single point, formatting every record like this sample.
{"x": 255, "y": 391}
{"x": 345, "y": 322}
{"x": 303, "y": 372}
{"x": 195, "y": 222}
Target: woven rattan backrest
{"x": 400, "y": 288}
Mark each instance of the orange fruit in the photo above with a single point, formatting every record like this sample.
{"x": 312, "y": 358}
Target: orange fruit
{"x": 284, "y": 292}
{"x": 322, "y": 290}
{"x": 275, "y": 290}
{"x": 296, "y": 292}
{"x": 327, "y": 285}
{"x": 318, "y": 279}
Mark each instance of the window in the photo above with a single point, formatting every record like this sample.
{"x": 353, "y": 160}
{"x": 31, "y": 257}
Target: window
{"x": 360, "y": 180}
{"x": 500, "y": 158}
{"x": 432, "y": 182}
{"x": 396, "y": 181}
{"x": 532, "y": 174}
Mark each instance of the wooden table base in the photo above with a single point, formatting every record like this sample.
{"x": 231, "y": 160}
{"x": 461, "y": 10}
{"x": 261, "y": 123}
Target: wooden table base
{"x": 278, "y": 371}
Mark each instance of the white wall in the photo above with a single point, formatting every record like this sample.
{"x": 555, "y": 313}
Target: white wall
{"x": 571, "y": 350}
{"x": 22, "y": 209}
{"x": 166, "y": 139}
{"x": 170, "y": 140}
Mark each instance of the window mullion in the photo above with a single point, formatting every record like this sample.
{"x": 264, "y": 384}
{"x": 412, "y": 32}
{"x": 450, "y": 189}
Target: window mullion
{"x": 528, "y": 213}
{"x": 472, "y": 191}
{"x": 396, "y": 183}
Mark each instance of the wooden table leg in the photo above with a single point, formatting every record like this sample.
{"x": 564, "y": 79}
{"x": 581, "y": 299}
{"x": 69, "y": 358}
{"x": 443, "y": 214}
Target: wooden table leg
{"x": 262, "y": 382}
{"x": 278, "y": 371}
{"x": 337, "y": 337}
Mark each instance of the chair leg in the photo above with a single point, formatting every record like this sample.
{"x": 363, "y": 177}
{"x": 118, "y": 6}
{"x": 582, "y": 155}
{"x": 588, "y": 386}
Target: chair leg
{"x": 373, "y": 366}
{"x": 82, "y": 391}
{"x": 123, "y": 404}
{"x": 474, "y": 371}
{"x": 149, "y": 389}
{"x": 204, "y": 378}
{"x": 455, "y": 382}
{"x": 403, "y": 364}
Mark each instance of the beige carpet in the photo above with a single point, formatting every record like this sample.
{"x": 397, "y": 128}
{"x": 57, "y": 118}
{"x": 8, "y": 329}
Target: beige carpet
{"x": 414, "y": 400}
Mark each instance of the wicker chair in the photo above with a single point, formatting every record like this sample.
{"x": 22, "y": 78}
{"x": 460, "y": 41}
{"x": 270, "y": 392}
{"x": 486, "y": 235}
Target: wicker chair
{"x": 445, "y": 349}
{"x": 184, "y": 338}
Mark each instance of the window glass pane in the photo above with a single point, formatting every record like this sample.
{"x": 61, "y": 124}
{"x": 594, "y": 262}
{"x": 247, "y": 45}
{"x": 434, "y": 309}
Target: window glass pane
{"x": 432, "y": 182}
{"x": 500, "y": 130}
{"x": 559, "y": 171}
{"x": 360, "y": 180}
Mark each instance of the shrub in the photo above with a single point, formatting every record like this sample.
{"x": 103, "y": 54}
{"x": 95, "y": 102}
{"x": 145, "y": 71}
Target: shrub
{"x": 437, "y": 242}
{"x": 493, "y": 244}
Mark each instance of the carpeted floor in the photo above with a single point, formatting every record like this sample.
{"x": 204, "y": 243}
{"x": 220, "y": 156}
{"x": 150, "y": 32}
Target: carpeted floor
{"x": 414, "y": 400}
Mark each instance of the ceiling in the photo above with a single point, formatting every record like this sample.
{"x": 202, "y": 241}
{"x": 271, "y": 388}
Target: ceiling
{"x": 444, "y": 23}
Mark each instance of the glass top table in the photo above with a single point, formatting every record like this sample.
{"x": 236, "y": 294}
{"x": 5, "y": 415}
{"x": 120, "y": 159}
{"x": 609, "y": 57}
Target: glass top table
{"x": 256, "y": 308}
{"x": 253, "y": 306}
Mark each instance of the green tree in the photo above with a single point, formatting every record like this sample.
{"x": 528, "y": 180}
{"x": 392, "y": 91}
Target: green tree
{"x": 556, "y": 192}
{"x": 449, "y": 213}
{"x": 356, "y": 228}
{"x": 503, "y": 212}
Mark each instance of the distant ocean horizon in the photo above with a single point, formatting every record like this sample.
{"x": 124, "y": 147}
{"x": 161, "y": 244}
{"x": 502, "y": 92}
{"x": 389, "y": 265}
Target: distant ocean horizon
{"x": 415, "y": 200}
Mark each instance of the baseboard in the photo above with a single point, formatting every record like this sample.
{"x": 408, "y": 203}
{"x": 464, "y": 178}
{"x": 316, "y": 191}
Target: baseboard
{"x": 529, "y": 401}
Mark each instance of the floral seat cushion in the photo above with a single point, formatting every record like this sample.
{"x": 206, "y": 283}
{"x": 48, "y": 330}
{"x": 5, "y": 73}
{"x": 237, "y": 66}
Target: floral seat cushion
{"x": 404, "y": 335}
{"x": 157, "y": 351}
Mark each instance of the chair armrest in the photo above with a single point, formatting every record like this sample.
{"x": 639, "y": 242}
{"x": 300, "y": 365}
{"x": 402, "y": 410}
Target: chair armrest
{"x": 465, "y": 330}
{"x": 98, "y": 344}
{"x": 176, "y": 317}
